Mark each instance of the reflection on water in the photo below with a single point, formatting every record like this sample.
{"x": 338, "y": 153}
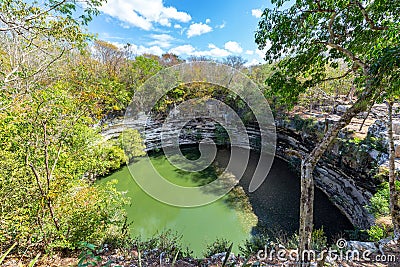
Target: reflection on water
{"x": 275, "y": 203}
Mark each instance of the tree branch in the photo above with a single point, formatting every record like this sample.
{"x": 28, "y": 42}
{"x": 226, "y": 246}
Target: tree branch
{"x": 292, "y": 152}
{"x": 371, "y": 23}
{"x": 48, "y": 200}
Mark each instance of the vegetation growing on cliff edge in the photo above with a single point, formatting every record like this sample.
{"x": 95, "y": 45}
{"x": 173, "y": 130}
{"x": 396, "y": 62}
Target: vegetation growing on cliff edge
{"x": 308, "y": 36}
{"x": 55, "y": 89}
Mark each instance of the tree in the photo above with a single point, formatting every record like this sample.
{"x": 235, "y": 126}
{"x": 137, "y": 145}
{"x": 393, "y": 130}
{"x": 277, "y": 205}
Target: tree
{"x": 110, "y": 56}
{"x": 236, "y": 62}
{"x": 387, "y": 74}
{"x": 34, "y": 36}
{"x": 169, "y": 59}
{"x": 310, "y": 35}
{"x": 48, "y": 146}
{"x": 198, "y": 58}
{"x": 394, "y": 193}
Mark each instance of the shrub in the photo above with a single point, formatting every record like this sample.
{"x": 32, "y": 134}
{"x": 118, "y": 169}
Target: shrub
{"x": 319, "y": 240}
{"x": 220, "y": 245}
{"x": 132, "y": 144}
{"x": 88, "y": 214}
{"x": 255, "y": 244}
{"x": 376, "y": 233}
{"x": 379, "y": 203}
{"x": 167, "y": 242}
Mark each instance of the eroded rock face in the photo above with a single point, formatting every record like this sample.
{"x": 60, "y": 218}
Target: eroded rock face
{"x": 343, "y": 174}
{"x": 347, "y": 188}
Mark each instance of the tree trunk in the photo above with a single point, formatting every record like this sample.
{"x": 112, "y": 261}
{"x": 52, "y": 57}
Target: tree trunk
{"x": 308, "y": 164}
{"x": 394, "y": 194}
{"x": 306, "y": 208}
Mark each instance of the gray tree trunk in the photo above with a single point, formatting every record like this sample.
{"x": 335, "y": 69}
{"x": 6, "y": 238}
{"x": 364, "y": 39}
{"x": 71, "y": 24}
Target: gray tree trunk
{"x": 394, "y": 194}
{"x": 308, "y": 164}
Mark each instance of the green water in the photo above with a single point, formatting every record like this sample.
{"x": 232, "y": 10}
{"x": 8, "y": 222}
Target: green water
{"x": 198, "y": 226}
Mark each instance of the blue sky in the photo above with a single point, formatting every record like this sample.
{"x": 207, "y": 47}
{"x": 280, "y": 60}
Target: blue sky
{"x": 212, "y": 28}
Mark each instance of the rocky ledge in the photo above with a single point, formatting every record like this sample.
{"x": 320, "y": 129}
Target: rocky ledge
{"x": 345, "y": 173}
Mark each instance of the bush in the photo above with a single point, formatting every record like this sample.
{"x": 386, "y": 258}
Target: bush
{"x": 376, "y": 233}
{"x": 220, "y": 245}
{"x": 132, "y": 144}
{"x": 379, "y": 203}
{"x": 167, "y": 242}
{"x": 319, "y": 240}
{"x": 111, "y": 156}
{"x": 255, "y": 244}
{"x": 89, "y": 214}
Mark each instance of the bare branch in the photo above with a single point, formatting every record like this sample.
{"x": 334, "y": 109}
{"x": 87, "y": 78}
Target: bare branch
{"x": 56, "y": 160}
{"x": 37, "y": 177}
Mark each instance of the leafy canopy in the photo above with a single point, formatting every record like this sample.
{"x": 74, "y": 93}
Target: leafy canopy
{"x": 310, "y": 35}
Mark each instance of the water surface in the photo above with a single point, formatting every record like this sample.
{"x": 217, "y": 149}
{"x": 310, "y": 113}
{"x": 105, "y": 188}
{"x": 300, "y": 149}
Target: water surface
{"x": 275, "y": 205}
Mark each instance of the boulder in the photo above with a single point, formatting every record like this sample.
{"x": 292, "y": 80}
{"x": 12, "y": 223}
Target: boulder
{"x": 362, "y": 246}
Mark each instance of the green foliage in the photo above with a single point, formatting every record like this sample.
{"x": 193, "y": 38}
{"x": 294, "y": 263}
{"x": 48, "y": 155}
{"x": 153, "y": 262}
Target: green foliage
{"x": 7, "y": 252}
{"x": 376, "y": 233}
{"x": 260, "y": 241}
{"x": 110, "y": 157}
{"x": 87, "y": 256}
{"x": 221, "y": 135}
{"x": 47, "y": 150}
{"x": 141, "y": 69}
{"x": 132, "y": 143}
{"x": 380, "y": 201}
{"x": 167, "y": 242}
{"x": 319, "y": 240}
{"x": 289, "y": 242}
{"x": 253, "y": 245}
{"x": 31, "y": 263}
{"x": 227, "y": 255}
{"x": 220, "y": 245}
{"x": 90, "y": 213}
{"x": 304, "y": 125}
{"x": 313, "y": 37}
{"x": 357, "y": 234}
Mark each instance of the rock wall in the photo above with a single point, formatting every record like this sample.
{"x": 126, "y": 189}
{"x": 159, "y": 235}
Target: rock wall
{"x": 344, "y": 173}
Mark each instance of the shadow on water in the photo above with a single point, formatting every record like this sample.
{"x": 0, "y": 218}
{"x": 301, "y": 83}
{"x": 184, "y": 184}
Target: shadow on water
{"x": 276, "y": 202}
{"x": 233, "y": 217}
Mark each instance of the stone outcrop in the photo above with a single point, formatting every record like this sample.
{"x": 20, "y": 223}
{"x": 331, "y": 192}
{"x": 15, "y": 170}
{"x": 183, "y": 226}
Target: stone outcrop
{"x": 344, "y": 174}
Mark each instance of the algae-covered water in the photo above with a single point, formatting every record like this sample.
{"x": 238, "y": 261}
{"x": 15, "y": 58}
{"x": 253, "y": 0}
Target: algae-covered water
{"x": 198, "y": 226}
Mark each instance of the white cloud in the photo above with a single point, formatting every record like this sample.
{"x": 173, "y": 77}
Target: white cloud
{"x": 208, "y": 21}
{"x": 189, "y": 50}
{"x": 140, "y": 49}
{"x": 162, "y": 40}
{"x": 256, "y": 13}
{"x": 182, "y": 50}
{"x": 143, "y": 14}
{"x": 172, "y": 13}
{"x": 196, "y": 29}
{"x": 260, "y": 53}
{"x": 252, "y": 63}
{"x": 177, "y": 26}
{"x": 233, "y": 47}
{"x": 216, "y": 52}
{"x": 249, "y": 52}
{"x": 222, "y": 25}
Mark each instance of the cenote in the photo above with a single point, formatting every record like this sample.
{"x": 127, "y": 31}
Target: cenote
{"x": 273, "y": 208}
